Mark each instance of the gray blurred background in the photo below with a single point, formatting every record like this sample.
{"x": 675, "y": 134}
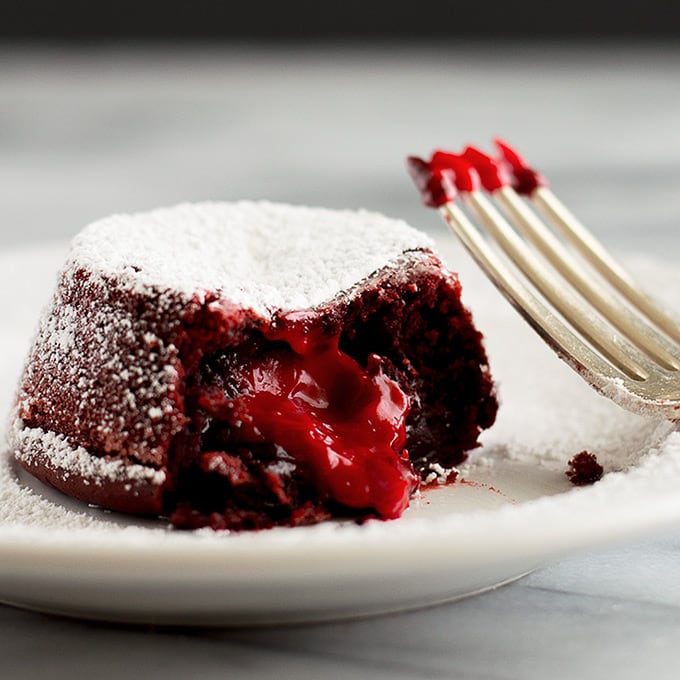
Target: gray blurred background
{"x": 126, "y": 106}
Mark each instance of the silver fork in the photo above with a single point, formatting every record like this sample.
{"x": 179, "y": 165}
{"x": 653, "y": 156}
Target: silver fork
{"x": 571, "y": 291}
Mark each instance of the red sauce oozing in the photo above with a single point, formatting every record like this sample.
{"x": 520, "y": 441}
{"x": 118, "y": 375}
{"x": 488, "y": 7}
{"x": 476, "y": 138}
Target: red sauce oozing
{"x": 344, "y": 424}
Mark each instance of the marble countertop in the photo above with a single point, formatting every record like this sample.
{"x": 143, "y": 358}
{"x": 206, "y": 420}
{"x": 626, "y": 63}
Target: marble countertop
{"x": 84, "y": 133}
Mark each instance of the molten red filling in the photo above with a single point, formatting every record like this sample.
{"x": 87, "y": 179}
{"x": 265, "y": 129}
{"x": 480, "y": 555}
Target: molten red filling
{"x": 309, "y": 418}
{"x": 342, "y": 424}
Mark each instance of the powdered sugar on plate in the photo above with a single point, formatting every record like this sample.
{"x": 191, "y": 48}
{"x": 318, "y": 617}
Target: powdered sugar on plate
{"x": 547, "y": 413}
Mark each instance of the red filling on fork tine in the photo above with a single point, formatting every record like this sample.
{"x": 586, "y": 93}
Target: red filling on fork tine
{"x": 461, "y": 170}
{"x": 493, "y": 173}
{"x": 446, "y": 173}
{"x": 527, "y": 180}
{"x": 437, "y": 186}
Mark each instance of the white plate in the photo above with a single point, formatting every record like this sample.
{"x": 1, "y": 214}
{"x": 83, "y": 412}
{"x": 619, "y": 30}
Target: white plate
{"x": 516, "y": 511}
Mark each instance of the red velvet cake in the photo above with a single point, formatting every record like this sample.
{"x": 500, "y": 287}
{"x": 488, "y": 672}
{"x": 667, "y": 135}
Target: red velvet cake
{"x": 246, "y": 365}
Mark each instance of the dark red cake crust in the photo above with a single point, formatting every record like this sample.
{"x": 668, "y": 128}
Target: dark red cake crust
{"x": 138, "y": 362}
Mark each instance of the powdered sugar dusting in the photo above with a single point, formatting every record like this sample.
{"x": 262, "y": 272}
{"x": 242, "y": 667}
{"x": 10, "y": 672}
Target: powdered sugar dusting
{"x": 99, "y": 357}
{"x": 105, "y": 369}
{"x": 27, "y": 443}
{"x": 228, "y": 247}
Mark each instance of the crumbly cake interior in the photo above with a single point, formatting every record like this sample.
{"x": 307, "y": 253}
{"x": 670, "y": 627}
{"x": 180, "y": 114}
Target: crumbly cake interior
{"x": 426, "y": 345}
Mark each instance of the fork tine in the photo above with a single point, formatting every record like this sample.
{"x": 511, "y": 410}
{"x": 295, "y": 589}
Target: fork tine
{"x": 446, "y": 175}
{"x": 578, "y": 315}
{"x": 468, "y": 179}
{"x": 563, "y": 219}
{"x": 536, "y": 188}
{"x": 584, "y": 340}
{"x": 639, "y": 333}
{"x": 553, "y": 330}
{"x": 592, "y": 366}
{"x": 496, "y": 181}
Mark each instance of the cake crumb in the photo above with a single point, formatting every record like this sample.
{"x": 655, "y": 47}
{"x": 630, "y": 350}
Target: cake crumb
{"x": 584, "y": 469}
{"x": 439, "y": 475}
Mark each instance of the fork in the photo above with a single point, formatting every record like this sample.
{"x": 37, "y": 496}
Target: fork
{"x": 561, "y": 279}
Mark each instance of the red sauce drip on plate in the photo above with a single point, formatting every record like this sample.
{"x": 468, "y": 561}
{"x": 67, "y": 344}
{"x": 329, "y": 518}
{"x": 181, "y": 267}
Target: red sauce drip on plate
{"x": 344, "y": 424}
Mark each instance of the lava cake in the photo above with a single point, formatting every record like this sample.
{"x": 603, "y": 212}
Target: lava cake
{"x": 247, "y": 365}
